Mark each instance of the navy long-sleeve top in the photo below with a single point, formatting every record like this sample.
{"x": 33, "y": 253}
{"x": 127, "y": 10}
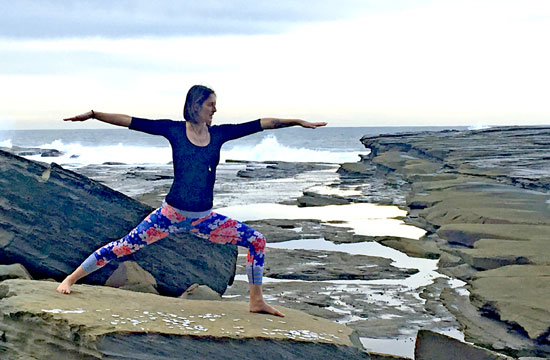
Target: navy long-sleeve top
{"x": 194, "y": 166}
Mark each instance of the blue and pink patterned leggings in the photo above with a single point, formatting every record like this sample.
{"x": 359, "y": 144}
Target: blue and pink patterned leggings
{"x": 167, "y": 220}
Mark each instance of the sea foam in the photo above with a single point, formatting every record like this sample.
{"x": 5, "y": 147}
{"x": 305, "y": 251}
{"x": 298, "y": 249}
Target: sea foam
{"x": 6, "y": 143}
{"x": 76, "y": 154}
{"x": 270, "y": 149}
{"x": 267, "y": 149}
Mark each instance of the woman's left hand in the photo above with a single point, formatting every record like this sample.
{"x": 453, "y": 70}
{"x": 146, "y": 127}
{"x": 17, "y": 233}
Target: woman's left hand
{"x": 311, "y": 125}
{"x": 276, "y": 123}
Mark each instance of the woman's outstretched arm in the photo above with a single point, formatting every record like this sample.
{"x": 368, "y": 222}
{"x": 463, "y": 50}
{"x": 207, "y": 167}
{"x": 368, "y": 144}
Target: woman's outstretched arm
{"x": 115, "y": 119}
{"x": 275, "y": 123}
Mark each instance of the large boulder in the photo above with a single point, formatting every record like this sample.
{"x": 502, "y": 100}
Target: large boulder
{"x": 98, "y": 322}
{"x": 51, "y": 219}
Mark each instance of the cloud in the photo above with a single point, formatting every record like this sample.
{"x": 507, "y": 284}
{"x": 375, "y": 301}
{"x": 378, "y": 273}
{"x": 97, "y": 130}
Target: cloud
{"x": 441, "y": 62}
{"x": 138, "y": 18}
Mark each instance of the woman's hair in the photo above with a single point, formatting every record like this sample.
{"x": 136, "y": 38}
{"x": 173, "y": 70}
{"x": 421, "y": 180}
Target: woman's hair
{"x": 196, "y": 95}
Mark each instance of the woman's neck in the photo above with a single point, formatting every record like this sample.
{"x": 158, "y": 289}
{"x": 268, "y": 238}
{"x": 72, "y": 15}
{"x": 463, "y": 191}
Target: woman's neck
{"x": 199, "y": 129}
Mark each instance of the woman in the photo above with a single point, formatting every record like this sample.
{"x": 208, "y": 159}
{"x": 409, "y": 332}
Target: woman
{"x": 188, "y": 206}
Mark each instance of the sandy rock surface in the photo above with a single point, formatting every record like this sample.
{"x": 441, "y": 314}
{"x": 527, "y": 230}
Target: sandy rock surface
{"x": 97, "y": 321}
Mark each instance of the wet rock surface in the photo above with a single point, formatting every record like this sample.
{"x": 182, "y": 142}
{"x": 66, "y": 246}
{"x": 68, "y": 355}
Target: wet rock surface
{"x": 372, "y": 309}
{"x": 278, "y": 169}
{"x": 278, "y": 230}
{"x": 485, "y": 195}
{"x": 374, "y": 183}
{"x": 315, "y": 265}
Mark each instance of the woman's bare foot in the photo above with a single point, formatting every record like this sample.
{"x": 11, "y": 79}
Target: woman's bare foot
{"x": 264, "y": 308}
{"x": 65, "y": 286}
{"x": 257, "y": 303}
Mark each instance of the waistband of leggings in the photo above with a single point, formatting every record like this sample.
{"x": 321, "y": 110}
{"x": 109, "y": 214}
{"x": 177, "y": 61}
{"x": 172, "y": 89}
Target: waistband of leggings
{"x": 189, "y": 214}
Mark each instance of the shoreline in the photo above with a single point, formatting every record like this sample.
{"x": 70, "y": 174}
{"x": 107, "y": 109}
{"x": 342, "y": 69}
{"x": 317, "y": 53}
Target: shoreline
{"x": 388, "y": 176}
{"x": 325, "y": 180}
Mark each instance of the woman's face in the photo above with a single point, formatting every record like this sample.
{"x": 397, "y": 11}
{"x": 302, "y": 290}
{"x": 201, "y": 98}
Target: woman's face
{"x": 207, "y": 110}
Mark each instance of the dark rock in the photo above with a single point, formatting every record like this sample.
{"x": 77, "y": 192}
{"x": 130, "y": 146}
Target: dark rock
{"x": 171, "y": 347}
{"x": 377, "y": 356}
{"x": 313, "y": 265}
{"x": 314, "y": 199}
{"x": 356, "y": 169}
{"x": 416, "y": 248}
{"x": 377, "y": 184}
{"x": 149, "y": 176}
{"x": 463, "y": 272}
{"x": 28, "y": 152}
{"x": 278, "y": 230}
{"x": 51, "y": 219}
{"x": 25, "y": 151}
{"x": 50, "y": 153}
{"x": 232, "y": 161}
{"x": 433, "y": 346}
{"x": 278, "y": 169}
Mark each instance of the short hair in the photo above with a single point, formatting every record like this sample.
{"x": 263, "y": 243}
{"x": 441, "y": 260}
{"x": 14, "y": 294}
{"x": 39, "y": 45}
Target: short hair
{"x": 196, "y": 95}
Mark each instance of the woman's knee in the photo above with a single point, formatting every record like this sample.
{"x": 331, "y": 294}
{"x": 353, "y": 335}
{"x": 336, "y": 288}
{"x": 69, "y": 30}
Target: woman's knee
{"x": 258, "y": 242}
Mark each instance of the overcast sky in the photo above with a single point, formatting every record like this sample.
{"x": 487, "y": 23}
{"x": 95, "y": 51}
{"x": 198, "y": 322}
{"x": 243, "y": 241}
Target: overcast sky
{"x": 348, "y": 62}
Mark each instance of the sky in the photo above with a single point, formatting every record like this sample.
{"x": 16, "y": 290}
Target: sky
{"x": 346, "y": 62}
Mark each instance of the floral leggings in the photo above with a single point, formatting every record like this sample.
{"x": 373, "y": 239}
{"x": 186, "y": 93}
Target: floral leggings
{"x": 166, "y": 220}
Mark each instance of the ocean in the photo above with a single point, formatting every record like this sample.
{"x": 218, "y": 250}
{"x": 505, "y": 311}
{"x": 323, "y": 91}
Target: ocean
{"x": 85, "y": 147}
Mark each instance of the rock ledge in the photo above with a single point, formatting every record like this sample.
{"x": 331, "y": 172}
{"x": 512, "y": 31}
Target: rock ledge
{"x": 95, "y": 321}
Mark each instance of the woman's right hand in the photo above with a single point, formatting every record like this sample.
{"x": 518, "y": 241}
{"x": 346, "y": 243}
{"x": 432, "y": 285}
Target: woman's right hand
{"x": 81, "y": 117}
